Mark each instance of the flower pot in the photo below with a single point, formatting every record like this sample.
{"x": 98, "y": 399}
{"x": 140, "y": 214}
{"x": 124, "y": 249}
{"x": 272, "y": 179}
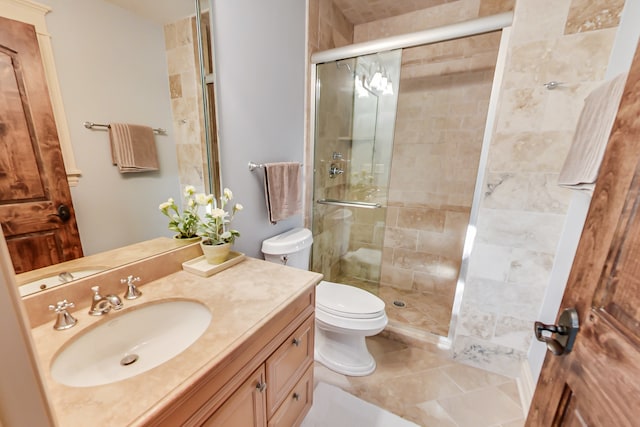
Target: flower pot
{"x": 216, "y": 254}
{"x": 186, "y": 240}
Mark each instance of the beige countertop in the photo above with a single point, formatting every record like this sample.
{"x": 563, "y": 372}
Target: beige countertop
{"x": 241, "y": 299}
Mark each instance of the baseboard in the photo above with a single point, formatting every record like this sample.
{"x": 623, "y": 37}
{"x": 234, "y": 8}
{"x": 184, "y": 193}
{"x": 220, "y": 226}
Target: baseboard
{"x": 526, "y": 386}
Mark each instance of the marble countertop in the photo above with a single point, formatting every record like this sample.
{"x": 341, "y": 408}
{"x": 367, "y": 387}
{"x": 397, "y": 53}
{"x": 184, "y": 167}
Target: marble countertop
{"x": 241, "y": 299}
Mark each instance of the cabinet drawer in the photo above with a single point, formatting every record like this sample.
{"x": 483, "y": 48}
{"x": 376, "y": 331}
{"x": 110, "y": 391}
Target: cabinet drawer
{"x": 288, "y": 363}
{"x": 296, "y": 404}
{"x": 245, "y": 407}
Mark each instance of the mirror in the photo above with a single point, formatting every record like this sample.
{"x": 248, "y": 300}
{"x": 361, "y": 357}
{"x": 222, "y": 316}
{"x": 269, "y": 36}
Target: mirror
{"x": 135, "y": 65}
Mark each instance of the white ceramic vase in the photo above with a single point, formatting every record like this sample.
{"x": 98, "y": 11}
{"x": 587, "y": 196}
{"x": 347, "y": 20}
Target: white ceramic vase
{"x": 216, "y": 254}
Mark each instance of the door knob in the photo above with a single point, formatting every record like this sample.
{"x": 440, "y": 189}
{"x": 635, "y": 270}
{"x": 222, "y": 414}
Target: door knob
{"x": 565, "y": 332}
{"x": 62, "y": 212}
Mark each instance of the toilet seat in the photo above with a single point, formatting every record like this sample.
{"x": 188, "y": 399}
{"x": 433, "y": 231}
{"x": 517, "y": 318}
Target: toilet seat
{"x": 348, "y": 301}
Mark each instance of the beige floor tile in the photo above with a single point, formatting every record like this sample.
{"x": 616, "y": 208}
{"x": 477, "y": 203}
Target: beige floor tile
{"x": 469, "y": 378}
{"x": 433, "y": 415}
{"x": 511, "y": 389}
{"x": 398, "y": 392}
{"x": 481, "y": 408}
{"x": 516, "y": 423}
{"x": 430, "y": 389}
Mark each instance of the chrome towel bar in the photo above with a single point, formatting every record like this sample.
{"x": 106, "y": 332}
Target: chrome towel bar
{"x": 91, "y": 125}
{"x": 349, "y": 203}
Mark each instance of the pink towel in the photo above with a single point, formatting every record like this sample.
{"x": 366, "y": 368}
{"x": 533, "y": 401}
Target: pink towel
{"x": 282, "y": 190}
{"x": 133, "y": 148}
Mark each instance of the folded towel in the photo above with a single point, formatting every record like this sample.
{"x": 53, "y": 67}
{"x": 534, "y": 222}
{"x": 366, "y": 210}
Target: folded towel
{"x": 580, "y": 169}
{"x": 133, "y": 148}
{"x": 282, "y": 190}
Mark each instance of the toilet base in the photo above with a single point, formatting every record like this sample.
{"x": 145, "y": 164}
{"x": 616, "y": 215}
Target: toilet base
{"x": 343, "y": 353}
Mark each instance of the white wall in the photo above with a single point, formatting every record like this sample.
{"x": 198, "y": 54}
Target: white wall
{"x": 112, "y": 68}
{"x": 621, "y": 57}
{"x": 260, "y": 67}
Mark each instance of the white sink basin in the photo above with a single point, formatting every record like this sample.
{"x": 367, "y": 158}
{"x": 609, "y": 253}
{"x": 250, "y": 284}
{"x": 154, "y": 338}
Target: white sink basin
{"x": 130, "y": 343}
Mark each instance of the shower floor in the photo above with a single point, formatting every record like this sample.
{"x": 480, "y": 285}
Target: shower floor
{"x": 423, "y": 311}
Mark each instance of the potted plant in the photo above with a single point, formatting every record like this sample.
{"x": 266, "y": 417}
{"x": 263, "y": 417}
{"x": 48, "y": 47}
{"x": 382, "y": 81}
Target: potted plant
{"x": 184, "y": 222}
{"x": 215, "y": 227}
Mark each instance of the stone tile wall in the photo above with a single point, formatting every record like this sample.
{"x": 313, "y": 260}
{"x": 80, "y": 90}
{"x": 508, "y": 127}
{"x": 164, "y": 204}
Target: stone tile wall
{"x": 186, "y": 101}
{"x": 523, "y": 210}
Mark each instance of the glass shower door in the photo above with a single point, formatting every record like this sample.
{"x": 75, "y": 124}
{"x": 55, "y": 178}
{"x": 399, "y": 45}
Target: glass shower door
{"x": 356, "y": 102}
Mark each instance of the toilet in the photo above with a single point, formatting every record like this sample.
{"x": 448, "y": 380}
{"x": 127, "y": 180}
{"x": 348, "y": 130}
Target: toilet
{"x": 345, "y": 315}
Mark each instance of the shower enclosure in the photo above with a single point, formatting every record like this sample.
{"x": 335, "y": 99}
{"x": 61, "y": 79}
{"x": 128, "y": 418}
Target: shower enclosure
{"x": 356, "y": 103}
{"x": 398, "y": 140}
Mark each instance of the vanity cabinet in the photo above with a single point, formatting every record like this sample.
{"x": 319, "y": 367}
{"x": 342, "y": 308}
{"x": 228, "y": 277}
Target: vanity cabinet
{"x": 266, "y": 381}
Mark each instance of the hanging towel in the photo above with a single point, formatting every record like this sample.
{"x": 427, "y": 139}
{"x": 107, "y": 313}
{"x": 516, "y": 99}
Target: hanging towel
{"x": 582, "y": 164}
{"x": 133, "y": 148}
{"x": 282, "y": 190}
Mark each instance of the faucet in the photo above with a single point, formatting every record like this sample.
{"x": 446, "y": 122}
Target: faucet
{"x": 64, "y": 320}
{"x": 101, "y": 305}
{"x": 132, "y": 292}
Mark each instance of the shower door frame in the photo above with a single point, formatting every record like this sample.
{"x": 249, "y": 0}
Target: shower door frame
{"x": 501, "y": 22}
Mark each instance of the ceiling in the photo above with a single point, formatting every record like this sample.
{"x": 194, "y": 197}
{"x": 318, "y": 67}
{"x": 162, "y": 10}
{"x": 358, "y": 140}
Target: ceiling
{"x": 356, "y": 11}
{"x": 361, "y": 11}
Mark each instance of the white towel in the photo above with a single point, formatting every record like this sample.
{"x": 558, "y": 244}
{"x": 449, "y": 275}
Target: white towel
{"x": 282, "y": 190}
{"x": 580, "y": 169}
{"x": 133, "y": 148}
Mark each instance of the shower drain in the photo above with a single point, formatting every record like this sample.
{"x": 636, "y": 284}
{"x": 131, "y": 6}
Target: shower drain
{"x": 399, "y": 303}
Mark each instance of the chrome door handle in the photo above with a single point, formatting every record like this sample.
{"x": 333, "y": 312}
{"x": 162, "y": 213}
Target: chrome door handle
{"x": 565, "y": 332}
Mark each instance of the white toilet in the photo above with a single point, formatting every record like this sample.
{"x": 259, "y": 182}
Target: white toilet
{"x": 345, "y": 315}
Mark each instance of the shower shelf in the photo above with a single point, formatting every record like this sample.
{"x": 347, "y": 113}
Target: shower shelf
{"x": 351, "y": 139}
{"x": 349, "y": 203}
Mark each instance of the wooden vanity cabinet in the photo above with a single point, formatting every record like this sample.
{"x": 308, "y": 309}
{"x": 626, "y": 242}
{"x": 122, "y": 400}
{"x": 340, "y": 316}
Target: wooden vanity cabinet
{"x": 266, "y": 381}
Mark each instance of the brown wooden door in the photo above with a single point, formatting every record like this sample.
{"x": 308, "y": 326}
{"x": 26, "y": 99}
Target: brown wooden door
{"x": 33, "y": 181}
{"x": 598, "y": 383}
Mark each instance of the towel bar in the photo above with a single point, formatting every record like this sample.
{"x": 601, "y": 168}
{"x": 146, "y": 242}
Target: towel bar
{"x": 253, "y": 166}
{"x": 91, "y": 125}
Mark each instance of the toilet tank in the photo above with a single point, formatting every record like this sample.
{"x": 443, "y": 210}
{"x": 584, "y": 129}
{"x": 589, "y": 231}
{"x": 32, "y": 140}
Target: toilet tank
{"x": 291, "y": 248}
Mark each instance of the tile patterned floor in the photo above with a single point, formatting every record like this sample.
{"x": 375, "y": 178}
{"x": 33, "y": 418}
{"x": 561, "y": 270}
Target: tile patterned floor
{"x": 432, "y": 390}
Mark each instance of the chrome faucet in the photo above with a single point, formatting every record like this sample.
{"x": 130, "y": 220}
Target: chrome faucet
{"x": 132, "y": 292}
{"x": 64, "y": 319}
{"x": 102, "y": 304}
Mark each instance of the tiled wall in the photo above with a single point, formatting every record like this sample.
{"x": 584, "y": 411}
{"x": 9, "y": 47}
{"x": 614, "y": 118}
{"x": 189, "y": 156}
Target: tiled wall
{"x": 328, "y": 28}
{"x": 522, "y": 210}
{"x": 442, "y": 106}
{"x": 186, "y": 101}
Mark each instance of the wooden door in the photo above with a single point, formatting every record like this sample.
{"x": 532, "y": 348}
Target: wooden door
{"x": 36, "y": 211}
{"x": 598, "y": 383}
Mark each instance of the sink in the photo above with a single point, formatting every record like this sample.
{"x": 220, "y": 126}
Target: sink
{"x": 54, "y": 280}
{"x": 129, "y": 343}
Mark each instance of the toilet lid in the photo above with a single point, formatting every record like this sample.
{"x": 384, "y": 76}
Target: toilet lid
{"x": 347, "y": 301}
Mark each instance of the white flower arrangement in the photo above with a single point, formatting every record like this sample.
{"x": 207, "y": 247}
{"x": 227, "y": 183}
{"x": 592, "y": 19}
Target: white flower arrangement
{"x": 213, "y": 227}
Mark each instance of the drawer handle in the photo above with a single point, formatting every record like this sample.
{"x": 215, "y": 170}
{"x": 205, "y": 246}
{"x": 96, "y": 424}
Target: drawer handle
{"x": 296, "y": 396}
{"x": 261, "y": 387}
{"x": 296, "y": 342}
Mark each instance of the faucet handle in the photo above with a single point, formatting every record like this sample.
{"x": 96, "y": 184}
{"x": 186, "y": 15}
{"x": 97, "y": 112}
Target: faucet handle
{"x": 64, "y": 320}
{"x": 132, "y": 291}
